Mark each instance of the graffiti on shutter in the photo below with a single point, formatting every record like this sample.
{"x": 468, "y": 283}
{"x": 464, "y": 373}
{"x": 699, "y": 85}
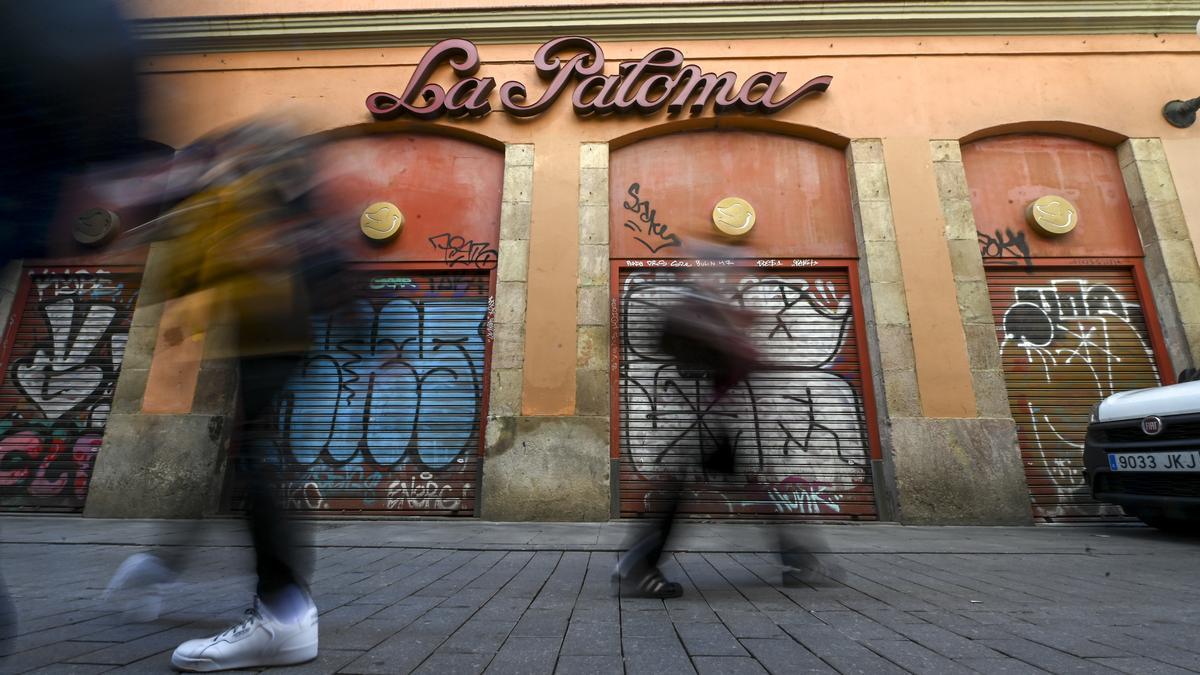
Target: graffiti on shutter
{"x": 799, "y": 427}
{"x": 58, "y": 387}
{"x": 1068, "y": 338}
{"x": 384, "y": 413}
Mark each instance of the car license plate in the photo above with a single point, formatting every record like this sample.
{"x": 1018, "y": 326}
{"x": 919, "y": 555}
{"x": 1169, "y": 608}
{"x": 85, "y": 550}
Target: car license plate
{"x": 1155, "y": 461}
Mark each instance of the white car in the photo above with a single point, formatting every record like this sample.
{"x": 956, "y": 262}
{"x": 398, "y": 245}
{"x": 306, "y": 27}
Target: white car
{"x": 1143, "y": 453}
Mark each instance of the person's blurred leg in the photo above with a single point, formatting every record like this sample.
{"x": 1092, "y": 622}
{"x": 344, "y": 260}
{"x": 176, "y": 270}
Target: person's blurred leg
{"x": 281, "y": 628}
{"x": 637, "y": 570}
{"x": 799, "y": 546}
{"x": 274, "y": 535}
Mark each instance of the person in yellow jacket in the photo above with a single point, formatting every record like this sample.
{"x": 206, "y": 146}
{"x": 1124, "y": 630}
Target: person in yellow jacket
{"x": 236, "y": 250}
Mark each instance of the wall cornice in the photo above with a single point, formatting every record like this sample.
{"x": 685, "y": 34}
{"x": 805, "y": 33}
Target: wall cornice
{"x": 731, "y": 21}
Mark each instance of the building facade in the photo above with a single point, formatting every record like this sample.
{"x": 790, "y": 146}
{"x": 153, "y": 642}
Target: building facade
{"x": 965, "y": 224}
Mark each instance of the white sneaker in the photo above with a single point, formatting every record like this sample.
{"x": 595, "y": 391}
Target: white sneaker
{"x": 259, "y": 639}
{"x": 138, "y": 585}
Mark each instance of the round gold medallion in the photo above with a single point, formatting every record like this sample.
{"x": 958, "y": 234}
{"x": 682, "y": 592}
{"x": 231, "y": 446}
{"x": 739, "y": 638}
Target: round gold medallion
{"x": 733, "y": 216}
{"x": 381, "y": 220}
{"x": 95, "y": 226}
{"x": 1052, "y": 215}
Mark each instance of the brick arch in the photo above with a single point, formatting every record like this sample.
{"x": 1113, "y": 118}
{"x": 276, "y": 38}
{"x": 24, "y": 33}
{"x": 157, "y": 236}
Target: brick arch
{"x": 1079, "y": 130}
{"x": 798, "y": 187}
{"x": 762, "y": 124}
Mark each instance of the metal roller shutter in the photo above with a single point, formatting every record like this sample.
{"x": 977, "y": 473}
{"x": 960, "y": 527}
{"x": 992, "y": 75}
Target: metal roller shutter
{"x": 800, "y": 429}
{"x": 1068, "y": 338}
{"x": 384, "y": 416}
{"x": 67, "y": 343}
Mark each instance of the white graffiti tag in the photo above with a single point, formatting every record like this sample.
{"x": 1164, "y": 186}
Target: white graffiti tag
{"x": 64, "y": 373}
{"x": 1076, "y": 334}
{"x": 424, "y": 494}
{"x": 810, "y": 499}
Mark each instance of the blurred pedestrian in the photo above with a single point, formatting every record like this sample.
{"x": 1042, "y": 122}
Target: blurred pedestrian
{"x": 707, "y": 336}
{"x": 70, "y": 99}
{"x": 247, "y": 244}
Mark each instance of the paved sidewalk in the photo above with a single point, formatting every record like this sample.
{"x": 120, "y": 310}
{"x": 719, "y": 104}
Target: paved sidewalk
{"x": 469, "y": 597}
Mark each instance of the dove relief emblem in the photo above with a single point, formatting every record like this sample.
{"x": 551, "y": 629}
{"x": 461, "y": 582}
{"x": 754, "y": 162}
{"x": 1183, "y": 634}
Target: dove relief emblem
{"x": 381, "y": 220}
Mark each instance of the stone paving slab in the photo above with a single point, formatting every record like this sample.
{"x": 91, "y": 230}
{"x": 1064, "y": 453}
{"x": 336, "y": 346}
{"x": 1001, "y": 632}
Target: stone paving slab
{"x": 477, "y": 597}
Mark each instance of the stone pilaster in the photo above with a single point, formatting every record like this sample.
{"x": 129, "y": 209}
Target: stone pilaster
{"x": 1170, "y": 255}
{"x": 508, "y": 321}
{"x": 943, "y": 470}
{"x": 543, "y": 467}
{"x": 592, "y": 300}
{"x": 885, "y": 308}
{"x": 536, "y": 468}
{"x": 989, "y": 442}
{"x": 970, "y": 281}
{"x": 165, "y": 465}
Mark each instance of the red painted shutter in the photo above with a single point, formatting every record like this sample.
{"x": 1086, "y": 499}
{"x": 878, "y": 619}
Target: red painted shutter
{"x": 1069, "y": 336}
{"x": 67, "y": 348}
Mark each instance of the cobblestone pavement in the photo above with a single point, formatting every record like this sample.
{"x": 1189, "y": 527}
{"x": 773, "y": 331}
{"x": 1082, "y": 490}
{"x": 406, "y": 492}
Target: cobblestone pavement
{"x": 450, "y": 597}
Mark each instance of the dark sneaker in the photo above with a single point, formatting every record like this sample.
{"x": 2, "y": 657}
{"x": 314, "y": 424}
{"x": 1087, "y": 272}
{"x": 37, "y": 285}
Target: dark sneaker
{"x": 813, "y": 576}
{"x": 648, "y": 584}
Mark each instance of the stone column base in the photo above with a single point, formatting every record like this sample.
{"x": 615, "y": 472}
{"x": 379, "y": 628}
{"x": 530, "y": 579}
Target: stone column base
{"x": 547, "y": 469}
{"x": 953, "y": 471}
{"x": 160, "y": 466}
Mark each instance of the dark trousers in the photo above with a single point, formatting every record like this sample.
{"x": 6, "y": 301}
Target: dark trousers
{"x": 277, "y": 540}
{"x": 797, "y": 543}
{"x": 274, "y": 537}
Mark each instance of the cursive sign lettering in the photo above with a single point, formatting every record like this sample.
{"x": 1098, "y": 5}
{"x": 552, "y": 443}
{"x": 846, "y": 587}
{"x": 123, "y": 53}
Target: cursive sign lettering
{"x": 659, "y": 79}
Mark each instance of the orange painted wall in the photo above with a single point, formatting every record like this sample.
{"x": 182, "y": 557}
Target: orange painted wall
{"x": 903, "y": 90}
{"x": 1183, "y": 155}
{"x": 939, "y": 344}
{"x": 882, "y": 86}
{"x": 550, "y": 354}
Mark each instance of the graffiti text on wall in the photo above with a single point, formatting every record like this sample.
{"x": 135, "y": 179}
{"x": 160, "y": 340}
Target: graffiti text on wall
{"x": 460, "y": 251}
{"x": 799, "y": 426}
{"x": 648, "y": 232}
{"x": 1007, "y": 248}
{"x": 1066, "y": 344}
{"x": 70, "y": 343}
{"x": 385, "y": 410}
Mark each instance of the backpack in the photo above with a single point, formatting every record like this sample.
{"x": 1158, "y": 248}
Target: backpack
{"x": 708, "y": 337}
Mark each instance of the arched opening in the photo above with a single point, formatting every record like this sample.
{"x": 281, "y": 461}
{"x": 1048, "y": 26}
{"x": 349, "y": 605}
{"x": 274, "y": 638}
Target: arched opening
{"x": 1073, "y": 314}
{"x": 65, "y": 346}
{"x": 385, "y": 415}
{"x": 803, "y": 440}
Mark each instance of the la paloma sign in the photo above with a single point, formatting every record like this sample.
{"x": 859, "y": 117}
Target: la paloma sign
{"x": 658, "y": 80}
